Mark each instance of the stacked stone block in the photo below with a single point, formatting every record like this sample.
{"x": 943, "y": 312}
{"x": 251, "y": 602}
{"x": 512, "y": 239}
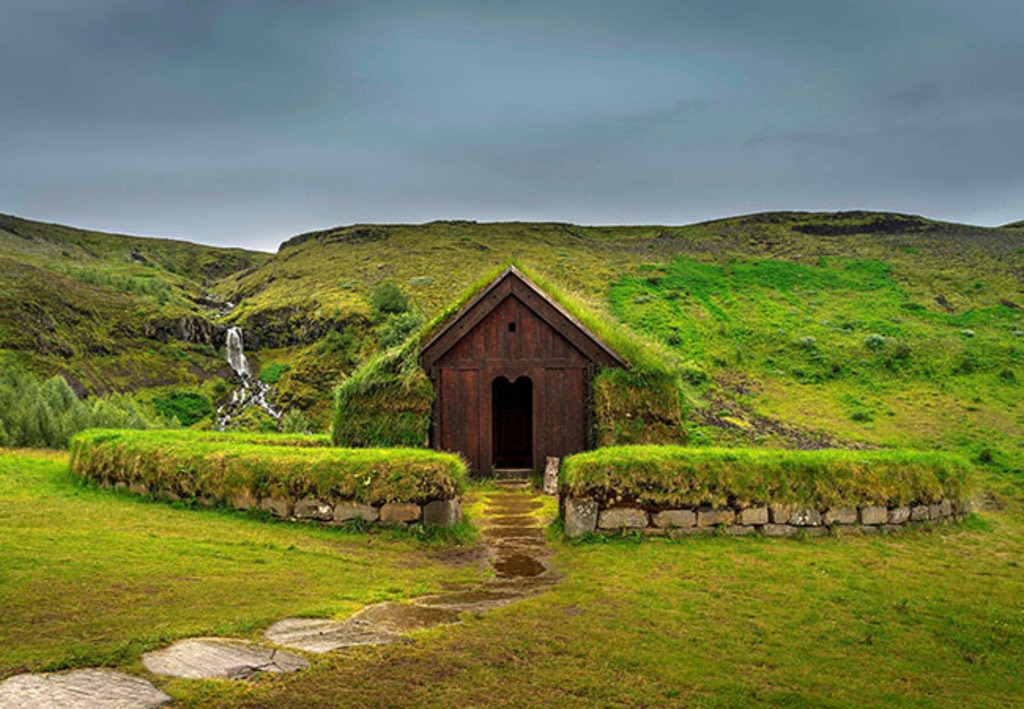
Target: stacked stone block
{"x": 583, "y": 516}
{"x": 443, "y": 513}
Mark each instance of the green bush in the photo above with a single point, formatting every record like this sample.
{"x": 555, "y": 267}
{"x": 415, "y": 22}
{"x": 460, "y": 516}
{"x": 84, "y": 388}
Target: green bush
{"x": 388, "y": 299}
{"x": 294, "y": 421}
{"x": 185, "y": 406}
{"x": 341, "y": 344}
{"x": 271, "y": 373}
{"x": 673, "y": 476}
{"x": 148, "y": 285}
{"x": 215, "y": 468}
{"x": 46, "y": 414}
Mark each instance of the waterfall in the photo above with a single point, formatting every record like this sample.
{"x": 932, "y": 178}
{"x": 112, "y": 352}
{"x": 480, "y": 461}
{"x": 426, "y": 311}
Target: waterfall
{"x": 236, "y": 353}
{"x": 253, "y": 392}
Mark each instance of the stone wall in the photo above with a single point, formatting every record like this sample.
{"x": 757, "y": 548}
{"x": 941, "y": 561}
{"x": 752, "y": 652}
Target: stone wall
{"x": 443, "y": 513}
{"x": 583, "y": 516}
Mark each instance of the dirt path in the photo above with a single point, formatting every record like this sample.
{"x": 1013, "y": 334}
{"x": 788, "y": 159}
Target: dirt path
{"x": 514, "y": 539}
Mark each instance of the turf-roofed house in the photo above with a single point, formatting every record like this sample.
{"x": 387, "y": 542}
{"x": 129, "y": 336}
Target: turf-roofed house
{"x": 513, "y": 374}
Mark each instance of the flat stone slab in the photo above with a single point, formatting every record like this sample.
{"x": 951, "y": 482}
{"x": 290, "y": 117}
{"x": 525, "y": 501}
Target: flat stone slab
{"x": 479, "y": 599}
{"x": 80, "y": 689}
{"x": 514, "y": 520}
{"x": 622, "y": 518}
{"x": 379, "y": 624}
{"x": 323, "y": 634}
{"x": 399, "y": 618}
{"x": 580, "y": 517}
{"x": 512, "y": 563}
{"x": 674, "y": 518}
{"x": 204, "y": 658}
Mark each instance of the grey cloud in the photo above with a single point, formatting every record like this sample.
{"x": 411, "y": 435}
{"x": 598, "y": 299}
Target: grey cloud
{"x": 228, "y": 120}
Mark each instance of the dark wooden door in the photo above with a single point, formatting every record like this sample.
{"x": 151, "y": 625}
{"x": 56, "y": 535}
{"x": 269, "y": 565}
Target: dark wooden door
{"x": 512, "y": 422}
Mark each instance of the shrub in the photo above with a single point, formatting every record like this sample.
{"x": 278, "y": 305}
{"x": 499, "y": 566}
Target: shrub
{"x": 674, "y": 476}
{"x": 158, "y": 290}
{"x": 187, "y": 407}
{"x": 271, "y": 373}
{"x": 215, "y": 468}
{"x": 874, "y": 341}
{"x": 45, "y": 414}
{"x": 295, "y": 421}
{"x": 341, "y": 343}
{"x": 388, "y": 299}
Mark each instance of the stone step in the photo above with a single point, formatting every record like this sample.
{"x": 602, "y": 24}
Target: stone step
{"x": 513, "y": 485}
{"x": 512, "y": 473}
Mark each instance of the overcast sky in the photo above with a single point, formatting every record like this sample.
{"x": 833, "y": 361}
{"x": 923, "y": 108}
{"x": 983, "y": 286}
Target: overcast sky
{"x": 245, "y": 122}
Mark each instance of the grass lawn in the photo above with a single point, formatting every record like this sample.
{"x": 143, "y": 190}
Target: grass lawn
{"x": 92, "y": 577}
{"x": 930, "y": 618}
{"x": 923, "y": 619}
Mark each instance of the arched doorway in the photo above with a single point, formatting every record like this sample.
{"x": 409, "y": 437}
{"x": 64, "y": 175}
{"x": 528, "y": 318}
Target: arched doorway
{"x": 512, "y": 422}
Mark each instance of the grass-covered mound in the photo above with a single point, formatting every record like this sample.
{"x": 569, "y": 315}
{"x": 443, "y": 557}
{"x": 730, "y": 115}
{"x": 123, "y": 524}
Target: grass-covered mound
{"x": 261, "y": 438}
{"x": 673, "y": 476}
{"x": 387, "y": 402}
{"x": 218, "y": 469}
{"x": 643, "y": 403}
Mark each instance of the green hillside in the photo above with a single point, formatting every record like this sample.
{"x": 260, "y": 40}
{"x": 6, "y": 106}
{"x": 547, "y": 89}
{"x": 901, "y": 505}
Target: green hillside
{"x": 792, "y": 329}
{"x": 110, "y": 312}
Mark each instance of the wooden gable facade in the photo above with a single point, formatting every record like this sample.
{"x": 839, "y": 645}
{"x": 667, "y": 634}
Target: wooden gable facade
{"x": 512, "y": 375}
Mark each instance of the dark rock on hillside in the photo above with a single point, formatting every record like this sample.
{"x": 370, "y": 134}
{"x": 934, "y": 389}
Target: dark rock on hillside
{"x": 191, "y": 329}
{"x": 849, "y": 223}
{"x": 272, "y": 328}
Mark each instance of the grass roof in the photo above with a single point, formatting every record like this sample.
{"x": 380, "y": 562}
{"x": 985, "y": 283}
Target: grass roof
{"x": 388, "y": 401}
